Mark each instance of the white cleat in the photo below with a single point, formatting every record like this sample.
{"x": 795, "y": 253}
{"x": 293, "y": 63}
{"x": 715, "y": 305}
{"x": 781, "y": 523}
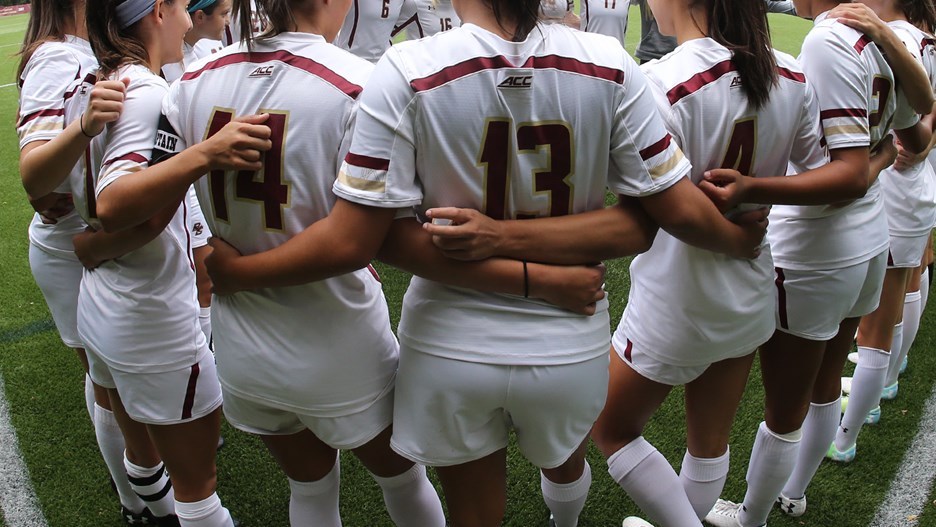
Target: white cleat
{"x": 633, "y": 521}
{"x": 724, "y": 514}
{"x": 853, "y": 357}
{"x": 794, "y": 507}
{"x": 846, "y": 385}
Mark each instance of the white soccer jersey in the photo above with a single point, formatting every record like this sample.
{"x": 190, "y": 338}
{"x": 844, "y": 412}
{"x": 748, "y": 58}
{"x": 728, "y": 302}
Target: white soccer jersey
{"x": 909, "y": 196}
{"x": 48, "y": 81}
{"x": 859, "y": 106}
{"x": 556, "y": 9}
{"x": 432, "y": 16}
{"x": 172, "y": 72}
{"x": 513, "y": 129}
{"x": 324, "y": 347}
{"x": 688, "y": 306}
{"x": 608, "y": 17}
{"x": 139, "y": 312}
{"x": 371, "y": 24}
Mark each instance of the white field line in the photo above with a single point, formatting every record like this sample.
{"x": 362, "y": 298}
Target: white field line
{"x": 17, "y": 500}
{"x": 910, "y": 489}
{"x": 7, "y": 85}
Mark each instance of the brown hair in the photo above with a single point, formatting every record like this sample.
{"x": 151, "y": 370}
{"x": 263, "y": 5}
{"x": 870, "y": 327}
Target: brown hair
{"x": 112, "y": 46}
{"x": 47, "y": 20}
{"x": 276, "y": 15}
{"x": 523, "y": 14}
{"x": 920, "y": 13}
{"x": 741, "y": 26}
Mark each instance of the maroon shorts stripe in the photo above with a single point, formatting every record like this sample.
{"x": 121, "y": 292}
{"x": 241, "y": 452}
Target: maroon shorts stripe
{"x": 373, "y": 272}
{"x": 890, "y": 258}
{"x": 628, "y": 351}
{"x": 259, "y": 57}
{"x": 190, "y": 393}
{"x": 656, "y": 148}
{"x": 374, "y": 163}
{"x": 781, "y": 299}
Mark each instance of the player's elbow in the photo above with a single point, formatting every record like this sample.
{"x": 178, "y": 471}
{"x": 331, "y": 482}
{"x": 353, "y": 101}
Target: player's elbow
{"x": 856, "y": 185}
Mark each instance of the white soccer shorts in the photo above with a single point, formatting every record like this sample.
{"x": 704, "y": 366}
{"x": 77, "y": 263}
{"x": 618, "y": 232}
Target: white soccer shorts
{"x": 906, "y": 251}
{"x": 59, "y": 279}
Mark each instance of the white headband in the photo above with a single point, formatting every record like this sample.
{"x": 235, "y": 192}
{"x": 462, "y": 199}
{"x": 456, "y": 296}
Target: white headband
{"x": 130, "y": 12}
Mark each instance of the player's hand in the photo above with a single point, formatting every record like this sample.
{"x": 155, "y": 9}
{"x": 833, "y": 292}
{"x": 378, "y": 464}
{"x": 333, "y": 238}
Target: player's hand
{"x": 576, "y": 288}
{"x": 53, "y": 206}
{"x": 218, "y": 264}
{"x": 860, "y": 17}
{"x": 239, "y": 145}
{"x": 84, "y": 251}
{"x": 725, "y": 187}
{"x": 464, "y": 234}
{"x": 753, "y": 228}
{"x": 104, "y": 106}
{"x": 901, "y": 158}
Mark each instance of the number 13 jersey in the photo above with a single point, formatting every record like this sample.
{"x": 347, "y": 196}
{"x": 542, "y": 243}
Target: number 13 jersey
{"x": 516, "y": 130}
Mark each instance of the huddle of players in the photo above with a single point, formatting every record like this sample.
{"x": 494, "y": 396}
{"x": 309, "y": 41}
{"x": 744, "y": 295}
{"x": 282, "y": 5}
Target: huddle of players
{"x": 505, "y": 325}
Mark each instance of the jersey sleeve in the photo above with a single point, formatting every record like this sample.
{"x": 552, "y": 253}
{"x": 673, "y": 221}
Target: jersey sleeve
{"x": 904, "y": 116}
{"x": 169, "y": 141}
{"x": 380, "y": 167}
{"x": 47, "y": 82}
{"x": 839, "y": 79}
{"x": 809, "y": 147}
{"x": 130, "y": 139}
{"x": 645, "y": 159}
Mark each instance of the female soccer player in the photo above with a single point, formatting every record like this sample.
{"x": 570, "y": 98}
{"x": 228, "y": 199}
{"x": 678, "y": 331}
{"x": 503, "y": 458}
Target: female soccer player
{"x": 431, "y": 17}
{"x": 607, "y": 17}
{"x": 911, "y": 214}
{"x": 209, "y": 18}
{"x": 830, "y": 259}
{"x": 137, "y": 313}
{"x": 369, "y": 27}
{"x": 488, "y": 116}
{"x": 56, "y": 54}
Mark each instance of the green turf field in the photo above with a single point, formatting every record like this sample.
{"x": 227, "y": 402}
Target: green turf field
{"x": 44, "y": 389}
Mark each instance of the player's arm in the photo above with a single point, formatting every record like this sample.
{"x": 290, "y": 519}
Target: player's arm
{"x": 910, "y": 75}
{"x": 906, "y": 159}
{"x": 619, "y": 230}
{"x": 781, "y": 6}
{"x": 917, "y": 138}
{"x": 96, "y": 247}
{"x": 576, "y": 288}
{"x": 882, "y": 158}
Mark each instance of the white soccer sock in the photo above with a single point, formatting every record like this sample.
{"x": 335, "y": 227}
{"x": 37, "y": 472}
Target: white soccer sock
{"x": 315, "y": 502}
{"x": 152, "y": 485}
{"x": 110, "y": 441}
{"x": 204, "y": 319}
{"x": 703, "y": 480}
{"x": 818, "y": 432}
{"x": 769, "y": 469}
{"x": 913, "y": 313}
{"x": 867, "y": 384}
{"x": 893, "y": 365}
{"x": 205, "y": 513}
{"x": 89, "y": 396}
{"x": 566, "y": 500}
{"x": 924, "y": 288}
{"x": 651, "y": 482}
{"x": 411, "y": 499}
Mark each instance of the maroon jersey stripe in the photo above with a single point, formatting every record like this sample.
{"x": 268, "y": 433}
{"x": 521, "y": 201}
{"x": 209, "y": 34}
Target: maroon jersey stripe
{"x": 843, "y": 112}
{"x": 357, "y": 15}
{"x": 132, "y": 156}
{"x": 656, "y": 148}
{"x": 401, "y": 27}
{"x": 58, "y": 112}
{"x": 306, "y": 64}
{"x": 374, "y": 163}
{"x": 699, "y": 81}
{"x": 555, "y": 62}
{"x": 792, "y": 75}
{"x": 862, "y": 43}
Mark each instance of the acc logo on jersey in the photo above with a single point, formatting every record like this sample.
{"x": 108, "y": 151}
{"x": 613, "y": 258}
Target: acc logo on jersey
{"x": 262, "y": 71}
{"x": 735, "y": 82}
{"x": 517, "y": 81}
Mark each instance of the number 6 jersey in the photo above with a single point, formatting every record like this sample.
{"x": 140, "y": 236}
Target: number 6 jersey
{"x": 324, "y": 347}
{"x": 516, "y": 130}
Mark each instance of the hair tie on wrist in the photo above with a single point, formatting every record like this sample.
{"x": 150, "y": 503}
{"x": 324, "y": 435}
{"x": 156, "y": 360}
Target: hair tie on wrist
{"x": 81, "y": 126}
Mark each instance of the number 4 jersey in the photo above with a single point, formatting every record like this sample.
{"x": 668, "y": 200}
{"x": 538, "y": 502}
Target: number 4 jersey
{"x": 324, "y": 347}
{"x": 514, "y": 129}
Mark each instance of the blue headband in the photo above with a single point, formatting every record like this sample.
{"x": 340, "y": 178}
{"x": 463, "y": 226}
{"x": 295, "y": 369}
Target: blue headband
{"x": 130, "y": 12}
{"x": 200, "y": 4}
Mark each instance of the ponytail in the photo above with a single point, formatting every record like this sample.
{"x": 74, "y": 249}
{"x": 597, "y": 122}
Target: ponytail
{"x": 113, "y": 46}
{"x": 921, "y": 13}
{"x": 523, "y": 14}
{"x": 741, "y": 26}
{"x": 46, "y": 23}
{"x": 275, "y": 15}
